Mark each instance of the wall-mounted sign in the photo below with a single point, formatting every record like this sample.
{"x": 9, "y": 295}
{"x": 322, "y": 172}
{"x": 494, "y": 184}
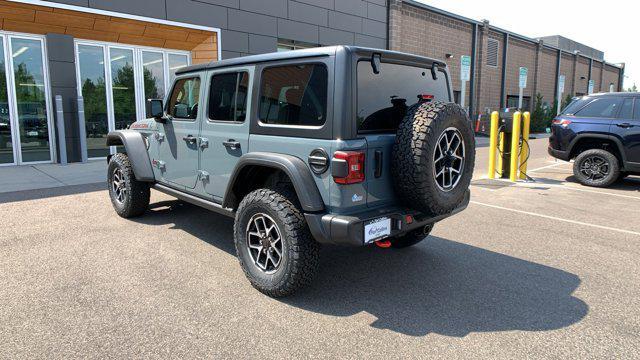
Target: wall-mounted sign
{"x": 591, "y": 85}
{"x": 561, "y": 84}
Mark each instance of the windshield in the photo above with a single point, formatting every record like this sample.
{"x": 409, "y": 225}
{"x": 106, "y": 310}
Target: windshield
{"x": 383, "y": 98}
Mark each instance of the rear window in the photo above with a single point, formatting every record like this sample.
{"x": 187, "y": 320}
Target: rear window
{"x": 294, "y": 95}
{"x": 383, "y": 98}
{"x": 601, "y": 108}
{"x": 575, "y": 105}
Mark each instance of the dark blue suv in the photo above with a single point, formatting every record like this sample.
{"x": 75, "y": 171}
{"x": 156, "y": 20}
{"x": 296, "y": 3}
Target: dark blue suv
{"x": 602, "y": 133}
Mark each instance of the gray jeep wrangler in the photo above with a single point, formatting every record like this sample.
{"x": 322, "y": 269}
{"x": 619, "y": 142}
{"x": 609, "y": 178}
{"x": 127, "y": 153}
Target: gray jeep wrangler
{"x": 336, "y": 145}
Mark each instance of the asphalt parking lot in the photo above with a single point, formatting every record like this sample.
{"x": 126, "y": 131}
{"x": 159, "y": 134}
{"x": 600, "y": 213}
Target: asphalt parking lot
{"x": 546, "y": 269}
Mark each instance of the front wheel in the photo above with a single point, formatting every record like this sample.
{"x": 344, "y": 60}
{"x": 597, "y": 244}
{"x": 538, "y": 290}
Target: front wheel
{"x": 596, "y": 167}
{"x": 129, "y": 196}
{"x": 274, "y": 245}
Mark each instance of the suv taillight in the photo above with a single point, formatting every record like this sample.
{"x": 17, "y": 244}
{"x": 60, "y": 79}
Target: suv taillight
{"x": 562, "y": 122}
{"x": 347, "y": 167}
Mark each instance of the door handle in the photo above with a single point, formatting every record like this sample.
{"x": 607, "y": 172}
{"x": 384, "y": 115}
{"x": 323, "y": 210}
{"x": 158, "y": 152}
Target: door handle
{"x": 190, "y": 139}
{"x": 231, "y": 144}
{"x": 625, "y": 125}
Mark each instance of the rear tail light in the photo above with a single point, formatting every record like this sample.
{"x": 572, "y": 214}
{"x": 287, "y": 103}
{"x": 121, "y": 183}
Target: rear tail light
{"x": 347, "y": 167}
{"x": 562, "y": 122}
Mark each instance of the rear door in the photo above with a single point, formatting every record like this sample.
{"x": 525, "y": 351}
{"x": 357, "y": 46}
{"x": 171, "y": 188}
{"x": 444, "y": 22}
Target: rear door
{"x": 626, "y": 127}
{"x": 177, "y": 142}
{"x": 382, "y": 102}
{"x": 224, "y": 135}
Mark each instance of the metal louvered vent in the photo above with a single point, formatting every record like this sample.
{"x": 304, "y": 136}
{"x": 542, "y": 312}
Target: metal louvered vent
{"x": 492, "y": 52}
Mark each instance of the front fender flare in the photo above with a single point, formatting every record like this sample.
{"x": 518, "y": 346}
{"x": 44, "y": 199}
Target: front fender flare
{"x": 136, "y": 149}
{"x": 297, "y": 170}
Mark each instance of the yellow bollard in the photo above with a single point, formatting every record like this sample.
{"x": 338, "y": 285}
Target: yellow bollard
{"x": 501, "y": 147}
{"x": 493, "y": 144}
{"x": 515, "y": 142}
{"x": 524, "y": 153}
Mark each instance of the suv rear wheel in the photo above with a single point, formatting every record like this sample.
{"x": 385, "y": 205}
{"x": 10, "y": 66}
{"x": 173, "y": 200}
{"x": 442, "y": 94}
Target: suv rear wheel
{"x": 274, "y": 245}
{"x": 596, "y": 167}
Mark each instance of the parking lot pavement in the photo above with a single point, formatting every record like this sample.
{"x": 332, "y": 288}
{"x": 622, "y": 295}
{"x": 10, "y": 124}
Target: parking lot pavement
{"x": 538, "y": 270}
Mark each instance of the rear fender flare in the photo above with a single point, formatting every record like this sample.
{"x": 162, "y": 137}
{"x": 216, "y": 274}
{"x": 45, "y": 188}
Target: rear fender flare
{"x": 598, "y": 136}
{"x": 136, "y": 149}
{"x": 295, "y": 168}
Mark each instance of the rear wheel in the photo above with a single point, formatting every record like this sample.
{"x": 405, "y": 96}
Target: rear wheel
{"x": 274, "y": 245}
{"x": 596, "y": 167}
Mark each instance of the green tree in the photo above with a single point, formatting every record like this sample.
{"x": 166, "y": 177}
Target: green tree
{"x": 634, "y": 88}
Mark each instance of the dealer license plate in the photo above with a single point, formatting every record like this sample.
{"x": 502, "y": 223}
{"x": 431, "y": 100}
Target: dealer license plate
{"x": 377, "y": 229}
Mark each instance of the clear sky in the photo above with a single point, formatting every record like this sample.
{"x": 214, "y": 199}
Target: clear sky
{"x": 611, "y": 26}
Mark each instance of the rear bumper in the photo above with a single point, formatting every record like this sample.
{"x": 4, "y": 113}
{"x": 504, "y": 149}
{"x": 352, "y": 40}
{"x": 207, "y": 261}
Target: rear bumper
{"x": 558, "y": 154}
{"x": 349, "y": 229}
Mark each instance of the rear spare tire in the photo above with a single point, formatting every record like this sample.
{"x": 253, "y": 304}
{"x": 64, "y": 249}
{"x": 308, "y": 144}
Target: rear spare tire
{"x": 433, "y": 157}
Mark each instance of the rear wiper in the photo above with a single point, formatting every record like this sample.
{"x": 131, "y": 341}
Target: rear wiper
{"x": 434, "y": 71}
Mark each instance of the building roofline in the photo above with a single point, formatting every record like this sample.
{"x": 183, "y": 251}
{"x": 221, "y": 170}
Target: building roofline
{"x": 501, "y": 30}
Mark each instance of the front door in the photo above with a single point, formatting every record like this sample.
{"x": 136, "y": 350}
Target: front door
{"x": 178, "y": 136}
{"x": 226, "y": 128}
{"x": 627, "y": 128}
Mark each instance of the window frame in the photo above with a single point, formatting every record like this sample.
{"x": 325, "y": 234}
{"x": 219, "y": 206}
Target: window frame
{"x": 247, "y": 100}
{"x": 170, "y": 94}
{"x": 325, "y": 131}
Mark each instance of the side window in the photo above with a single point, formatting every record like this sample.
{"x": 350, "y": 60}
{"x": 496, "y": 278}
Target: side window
{"x": 626, "y": 111}
{"x": 603, "y": 107}
{"x": 228, "y": 96}
{"x": 294, "y": 95}
{"x": 636, "y": 110}
{"x": 185, "y": 97}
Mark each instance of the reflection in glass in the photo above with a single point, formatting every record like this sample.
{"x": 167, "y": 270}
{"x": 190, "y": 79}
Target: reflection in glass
{"x": 176, "y": 62}
{"x": 6, "y": 142}
{"x": 28, "y": 69}
{"x": 92, "y": 75}
{"x": 153, "y": 71}
{"x": 122, "y": 81}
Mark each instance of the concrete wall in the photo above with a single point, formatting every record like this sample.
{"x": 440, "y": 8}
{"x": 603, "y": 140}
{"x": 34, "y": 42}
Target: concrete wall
{"x": 254, "y": 26}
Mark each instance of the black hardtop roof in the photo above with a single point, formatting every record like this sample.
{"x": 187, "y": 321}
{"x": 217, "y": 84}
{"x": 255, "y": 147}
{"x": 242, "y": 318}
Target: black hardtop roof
{"x": 307, "y": 53}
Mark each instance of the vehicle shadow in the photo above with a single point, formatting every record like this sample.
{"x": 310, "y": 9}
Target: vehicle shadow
{"x": 444, "y": 287}
{"x": 438, "y": 286}
{"x": 630, "y": 183}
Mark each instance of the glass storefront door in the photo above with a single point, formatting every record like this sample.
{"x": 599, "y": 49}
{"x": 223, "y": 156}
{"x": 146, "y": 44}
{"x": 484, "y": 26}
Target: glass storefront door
{"x": 115, "y": 81}
{"x": 25, "y": 131}
{"x": 6, "y": 136}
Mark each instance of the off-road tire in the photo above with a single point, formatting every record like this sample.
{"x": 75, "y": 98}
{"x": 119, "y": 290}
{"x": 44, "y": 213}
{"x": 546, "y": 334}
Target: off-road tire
{"x": 610, "y": 178}
{"x": 136, "y": 200}
{"x": 413, "y": 153}
{"x": 411, "y": 238}
{"x": 299, "y": 263}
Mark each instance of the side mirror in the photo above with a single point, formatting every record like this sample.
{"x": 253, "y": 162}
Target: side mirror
{"x": 155, "y": 109}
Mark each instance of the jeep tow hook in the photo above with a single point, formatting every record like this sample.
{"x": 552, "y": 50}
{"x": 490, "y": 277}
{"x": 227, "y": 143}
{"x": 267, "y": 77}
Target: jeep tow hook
{"x": 385, "y": 244}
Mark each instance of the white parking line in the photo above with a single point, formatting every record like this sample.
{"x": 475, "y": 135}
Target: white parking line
{"x": 548, "y": 166}
{"x": 557, "y": 219}
{"x": 567, "y": 187}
